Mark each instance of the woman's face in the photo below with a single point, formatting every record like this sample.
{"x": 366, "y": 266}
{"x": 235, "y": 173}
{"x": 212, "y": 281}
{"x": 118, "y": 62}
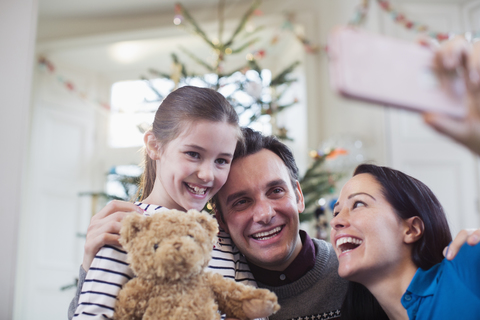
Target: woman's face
{"x": 366, "y": 233}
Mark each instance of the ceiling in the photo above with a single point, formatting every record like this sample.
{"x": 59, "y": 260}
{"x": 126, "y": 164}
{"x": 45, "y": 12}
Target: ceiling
{"x": 90, "y": 34}
{"x": 123, "y": 39}
{"x": 84, "y": 8}
{"x": 94, "y": 8}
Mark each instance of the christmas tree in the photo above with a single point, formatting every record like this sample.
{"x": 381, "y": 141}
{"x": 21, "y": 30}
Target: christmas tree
{"x": 250, "y": 89}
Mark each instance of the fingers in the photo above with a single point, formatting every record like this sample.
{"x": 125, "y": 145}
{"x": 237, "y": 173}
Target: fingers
{"x": 114, "y": 206}
{"x": 474, "y": 237}
{"x": 473, "y": 65}
{"x": 452, "y": 54}
{"x": 104, "y": 228}
{"x": 470, "y": 236}
{"x": 92, "y": 248}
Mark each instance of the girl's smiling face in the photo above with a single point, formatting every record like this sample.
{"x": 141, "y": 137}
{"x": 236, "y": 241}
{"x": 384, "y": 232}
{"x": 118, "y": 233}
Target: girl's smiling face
{"x": 194, "y": 166}
{"x": 367, "y": 234}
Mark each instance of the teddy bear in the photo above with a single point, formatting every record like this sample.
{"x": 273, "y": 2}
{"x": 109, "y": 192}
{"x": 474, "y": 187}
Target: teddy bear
{"x": 169, "y": 252}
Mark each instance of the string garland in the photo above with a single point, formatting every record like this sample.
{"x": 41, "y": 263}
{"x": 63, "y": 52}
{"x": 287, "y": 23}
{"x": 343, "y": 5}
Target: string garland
{"x": 49, "y": 67}
{"x": 401, "y": 19}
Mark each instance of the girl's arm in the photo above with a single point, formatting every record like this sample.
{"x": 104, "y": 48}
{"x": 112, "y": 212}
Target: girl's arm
{"x": 108, "y": 272}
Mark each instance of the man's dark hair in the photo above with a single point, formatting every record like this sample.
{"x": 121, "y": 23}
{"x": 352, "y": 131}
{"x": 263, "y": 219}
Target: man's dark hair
{"x": 254, "y": 142}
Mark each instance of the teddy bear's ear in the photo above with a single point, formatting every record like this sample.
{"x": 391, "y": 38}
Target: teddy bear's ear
{"x": 131, "y": 225}
{"x": 207, "y": 221}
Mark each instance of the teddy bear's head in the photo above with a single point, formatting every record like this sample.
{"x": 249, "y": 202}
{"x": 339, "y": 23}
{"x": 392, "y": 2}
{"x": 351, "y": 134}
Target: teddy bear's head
{"x": 170, "y": 244}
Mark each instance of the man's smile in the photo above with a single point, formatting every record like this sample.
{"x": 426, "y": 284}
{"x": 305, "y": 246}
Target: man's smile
{"x": 267, "y": 234}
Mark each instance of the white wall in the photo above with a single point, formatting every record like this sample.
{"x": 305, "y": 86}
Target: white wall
{"x": 17, "y": 39}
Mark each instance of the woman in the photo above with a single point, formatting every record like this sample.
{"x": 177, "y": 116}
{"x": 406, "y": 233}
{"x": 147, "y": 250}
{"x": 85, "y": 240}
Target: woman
{"x": 389, "y": 231}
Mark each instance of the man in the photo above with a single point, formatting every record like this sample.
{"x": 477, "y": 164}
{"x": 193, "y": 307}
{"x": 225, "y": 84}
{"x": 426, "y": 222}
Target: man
{"x": 259, "y": 207}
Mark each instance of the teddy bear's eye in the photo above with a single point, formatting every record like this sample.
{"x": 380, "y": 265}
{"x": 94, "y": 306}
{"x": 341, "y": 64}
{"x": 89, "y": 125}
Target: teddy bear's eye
{"x": 155, "y": 246}
{"x": 190, "y": 236}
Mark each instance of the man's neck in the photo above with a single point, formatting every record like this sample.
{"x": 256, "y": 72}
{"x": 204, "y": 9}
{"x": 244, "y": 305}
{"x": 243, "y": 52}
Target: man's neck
{"x": 303, "y": 262}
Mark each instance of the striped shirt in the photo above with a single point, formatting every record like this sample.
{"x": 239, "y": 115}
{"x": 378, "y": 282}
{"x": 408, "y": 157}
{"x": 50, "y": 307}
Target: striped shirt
{"x": 109, "y": 271}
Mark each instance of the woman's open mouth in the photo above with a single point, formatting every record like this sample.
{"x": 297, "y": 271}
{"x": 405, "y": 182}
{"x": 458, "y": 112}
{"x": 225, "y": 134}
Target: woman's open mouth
{"x": 346, "y": 244}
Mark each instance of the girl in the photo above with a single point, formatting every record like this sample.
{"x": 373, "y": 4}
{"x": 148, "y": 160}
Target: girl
{"x": 389, "y": 231}
{"x": 188, "y": 153}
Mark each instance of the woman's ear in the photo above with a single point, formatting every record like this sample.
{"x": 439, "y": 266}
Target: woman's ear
{"x": 151, "y": 145}
{"x": 414, "y": 229}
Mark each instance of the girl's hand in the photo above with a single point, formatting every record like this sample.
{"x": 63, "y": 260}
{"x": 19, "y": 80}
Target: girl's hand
{"x": 453, "y": 56}
{"x": 104, "y": 228}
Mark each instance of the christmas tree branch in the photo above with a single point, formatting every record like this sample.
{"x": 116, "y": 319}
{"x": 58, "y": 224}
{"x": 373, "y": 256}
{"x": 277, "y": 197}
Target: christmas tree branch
{"x": 243, "y": 21}
{"x": 198, "y": 60}
{"x": 196, "y": 27}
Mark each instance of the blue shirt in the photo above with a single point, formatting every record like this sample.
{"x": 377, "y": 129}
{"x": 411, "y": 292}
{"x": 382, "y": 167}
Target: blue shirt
{"x": 448, "y": 290}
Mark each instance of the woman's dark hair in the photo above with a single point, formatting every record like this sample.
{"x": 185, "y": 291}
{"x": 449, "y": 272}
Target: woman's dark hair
{"x": 408, "y": 197}
{"x": 177, "y": 111}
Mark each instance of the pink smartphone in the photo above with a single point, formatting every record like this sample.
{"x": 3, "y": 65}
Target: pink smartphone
{"x": 389, "y": 72}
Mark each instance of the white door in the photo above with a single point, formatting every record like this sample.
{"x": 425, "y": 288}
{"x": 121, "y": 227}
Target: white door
{"x": 59, "y": 167}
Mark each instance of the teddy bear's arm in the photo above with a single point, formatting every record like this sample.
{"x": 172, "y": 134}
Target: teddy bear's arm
{"x": 132, "y": 301}
{"x": 240, "y": 301}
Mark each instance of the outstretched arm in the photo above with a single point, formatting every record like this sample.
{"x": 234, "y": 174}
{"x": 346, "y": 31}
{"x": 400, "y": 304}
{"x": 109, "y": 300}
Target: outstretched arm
{"x": 455, "y": 56}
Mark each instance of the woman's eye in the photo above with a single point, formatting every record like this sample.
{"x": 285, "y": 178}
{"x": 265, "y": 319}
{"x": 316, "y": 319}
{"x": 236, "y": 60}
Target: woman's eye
{"x": 193, "y": 154}
{"x": 336, "y": 213}
{"x": 358, "y": 204}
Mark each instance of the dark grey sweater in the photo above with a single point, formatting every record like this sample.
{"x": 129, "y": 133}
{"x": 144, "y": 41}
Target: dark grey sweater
{"x": 318, "y": 294}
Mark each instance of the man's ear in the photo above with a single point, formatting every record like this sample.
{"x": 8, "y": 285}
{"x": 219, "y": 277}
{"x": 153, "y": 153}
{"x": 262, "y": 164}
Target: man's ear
{"x": 414, "y": 229}
{"x": 151, "y": 145}
{"x": 300, "y": 199}
{"x": 220, "y": 221}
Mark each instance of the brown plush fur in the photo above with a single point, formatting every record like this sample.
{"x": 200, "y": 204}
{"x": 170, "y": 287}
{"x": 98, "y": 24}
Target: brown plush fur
{"x": 168, "y": 253}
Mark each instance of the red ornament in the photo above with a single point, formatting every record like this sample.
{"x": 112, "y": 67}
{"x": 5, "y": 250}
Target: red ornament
{"x": 400, "y": 17}
{"x": 442, "y": 36}
{"x": 409, "y": 24}
{"x": 385, "y": 5}
{"x": 178, "y": 8}
{"x": 69, "y": 85}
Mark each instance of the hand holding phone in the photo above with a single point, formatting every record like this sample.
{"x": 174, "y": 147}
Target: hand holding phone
{"x": 390, "y": 72}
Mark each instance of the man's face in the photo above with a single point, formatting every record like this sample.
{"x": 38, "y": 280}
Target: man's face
{"x": 260, "y": 209}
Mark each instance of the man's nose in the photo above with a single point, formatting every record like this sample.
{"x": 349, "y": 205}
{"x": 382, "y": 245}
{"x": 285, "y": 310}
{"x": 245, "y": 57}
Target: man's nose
{"x": 263, "y": 212}
{"x": 206, "y": 172}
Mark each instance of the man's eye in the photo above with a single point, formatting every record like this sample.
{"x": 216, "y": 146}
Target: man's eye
{"x": 193, "y": 154}
{"x": 358, "y": 204}
{"x": 239, "y": 204}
